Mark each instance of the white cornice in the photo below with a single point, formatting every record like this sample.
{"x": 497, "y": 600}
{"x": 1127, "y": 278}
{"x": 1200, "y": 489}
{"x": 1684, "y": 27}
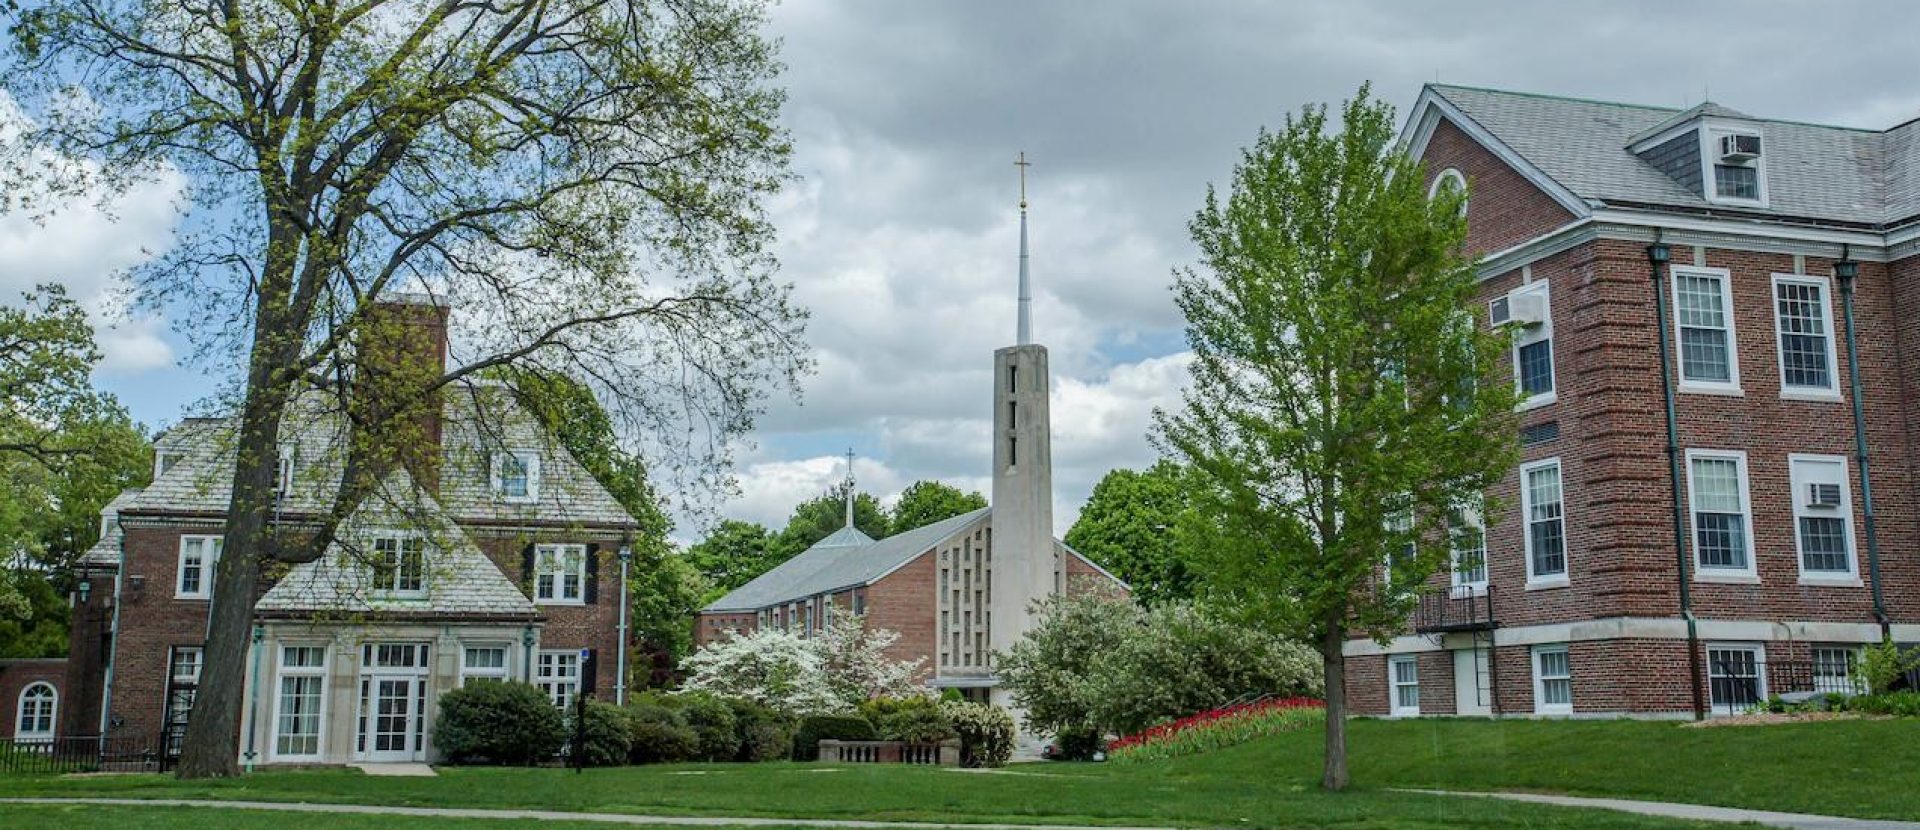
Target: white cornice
{"x": 1738, "y": 234}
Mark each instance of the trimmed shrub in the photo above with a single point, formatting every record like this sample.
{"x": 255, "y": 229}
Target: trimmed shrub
{"x": 608, "y": 733}
{"x": 660, "y": 735}
{"x": 817, "y": 728}
{"x": 765, "y": 734}
{"x": 1078, "y": 744}
{"x": 925, "y": 725}
{"x": 985, "y": 732}
{"x": 499, "y": 723}
{"x": 713, "y": 723}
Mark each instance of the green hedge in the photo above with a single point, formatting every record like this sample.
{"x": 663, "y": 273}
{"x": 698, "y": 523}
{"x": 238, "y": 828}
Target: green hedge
{"x": 499, "y": 723}
{"x": 817, "y": 728}
{"x": 659, "y": 735}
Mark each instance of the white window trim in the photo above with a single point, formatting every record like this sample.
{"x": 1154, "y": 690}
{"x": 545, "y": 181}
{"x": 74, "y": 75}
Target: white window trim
{"x": 1527, "y": 337}
{"x": 400, "y": 538}
{"x": 1797, "y": 486}
{"x": 1710, "y": 156}
{"x": 1731, "y": 386}
{"x": 1540, "y": 706}
{"x": 502, "y": 672}
{"x": 1559, "y": 580}
{"x": 1454, "y": 175}
{"x": 1750, "y": 575}
{"x": 208, "y": 563}
{"x": 530, "y": 458}
{"x": 1393, "y": 686}
{"x": 286, "y": 455}
{"x": 558, "y": 679}
{"x": 1852, "y": 676}
{"x": 1471, "y": 516}
{"x": 1806, "y": 393}
{"x": 1759, "y": 669}
{"x": 165, "y": 460}
{"x": 284, "y": 671}
{"x": 20, "y": 712}
{"x": 559, "y": 552}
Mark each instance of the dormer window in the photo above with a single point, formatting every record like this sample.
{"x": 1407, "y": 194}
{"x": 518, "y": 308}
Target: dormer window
{"x": 283, "y": 471}
{"x": 400, "y": 566}
{"x": 164, "y": 460}
{"x": 1736, "y": 165}
{"x": 516, "y": 475}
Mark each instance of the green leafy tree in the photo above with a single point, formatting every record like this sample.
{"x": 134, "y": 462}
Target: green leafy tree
{"x": 41, "y": 631}
{"x": 817, "y": 518}
{"x": 732, "y": 555}
{"x": 582, "y": 181}
{"x": 926, "y": 502}
{"x": 1336, "y": 410}
{"x": 1128, "y": 526}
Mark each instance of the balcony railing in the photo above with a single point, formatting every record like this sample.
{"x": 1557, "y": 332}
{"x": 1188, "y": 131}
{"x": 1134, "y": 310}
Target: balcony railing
{"x": 1460, "y": 608}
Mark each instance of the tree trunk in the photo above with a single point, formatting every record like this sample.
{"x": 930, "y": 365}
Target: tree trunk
{"x": 1333, "y": 661}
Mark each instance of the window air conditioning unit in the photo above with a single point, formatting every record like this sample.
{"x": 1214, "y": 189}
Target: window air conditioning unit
{"x": 1739, "y": 147}
{"x": 1520, "y": 308}
{"x": 1823, "y": 495}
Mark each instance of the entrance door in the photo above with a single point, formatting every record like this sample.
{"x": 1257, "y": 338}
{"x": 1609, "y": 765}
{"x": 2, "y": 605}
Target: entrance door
{"x": 1471, "y": 686}
{"x": 393, "y": 698}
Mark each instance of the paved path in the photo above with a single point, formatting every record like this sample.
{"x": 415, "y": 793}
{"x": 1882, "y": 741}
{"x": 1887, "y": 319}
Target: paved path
{"x": 556, "y": 815}
{"x": 1697, "y": 812}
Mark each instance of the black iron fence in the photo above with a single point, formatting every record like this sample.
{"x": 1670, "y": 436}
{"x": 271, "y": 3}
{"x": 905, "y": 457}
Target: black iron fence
{"x": 1739, "y": 682}
{"x": 78, "y": 753}
{"x": 1462, "y": 608}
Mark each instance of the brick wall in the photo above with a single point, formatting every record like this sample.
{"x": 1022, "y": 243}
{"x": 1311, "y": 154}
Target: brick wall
{"x": 903, "y": 601}
{"x": 594, "y": 625}
{"x": 88, "y": 643}
{"x": 152, "y": 621}
{"x": 16, "y": 675}
{"x": 1503, "y": 208}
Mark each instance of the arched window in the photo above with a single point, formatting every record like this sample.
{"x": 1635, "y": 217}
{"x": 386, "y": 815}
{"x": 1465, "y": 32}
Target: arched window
{"x": 1450, "y": 179}
{"x": 37, "y": 704}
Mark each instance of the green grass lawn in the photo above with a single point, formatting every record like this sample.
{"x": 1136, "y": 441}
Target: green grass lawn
{"x": 1859, "y": 768}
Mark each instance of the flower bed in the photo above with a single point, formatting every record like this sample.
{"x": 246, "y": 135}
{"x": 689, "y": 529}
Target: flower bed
{"x": 1216, "y": 728}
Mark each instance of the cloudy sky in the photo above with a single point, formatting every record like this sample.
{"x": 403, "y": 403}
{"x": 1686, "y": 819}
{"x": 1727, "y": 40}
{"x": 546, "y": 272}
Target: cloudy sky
{"x": 901, "y": 233}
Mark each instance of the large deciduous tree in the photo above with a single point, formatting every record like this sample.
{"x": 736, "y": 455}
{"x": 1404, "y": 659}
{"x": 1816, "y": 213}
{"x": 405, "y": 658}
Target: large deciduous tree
{"x": 1129, "y": 526}
{"x": 926, "y": 502}
{"x": 1336, "y": 411}
{"x": 818, "y": 517}
{"x": 580, "y": 183}
{"x": 732, "y": 555}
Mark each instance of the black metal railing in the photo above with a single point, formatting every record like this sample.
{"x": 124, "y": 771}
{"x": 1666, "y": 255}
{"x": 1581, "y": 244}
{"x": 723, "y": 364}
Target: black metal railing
{"x": 1454, "y": 609}
{"x": 77, "y": 753}
{"x": 1738, "y": 685}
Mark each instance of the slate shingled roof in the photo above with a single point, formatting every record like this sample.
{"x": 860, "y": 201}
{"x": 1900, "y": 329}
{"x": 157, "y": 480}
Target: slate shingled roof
{"x": 106, "y": 552}
{"x": 843, "y": 560}
{"x": 1869, "y": 177}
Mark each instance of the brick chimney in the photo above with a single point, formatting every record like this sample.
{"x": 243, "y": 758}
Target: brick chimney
{"x": 401, "y": 348}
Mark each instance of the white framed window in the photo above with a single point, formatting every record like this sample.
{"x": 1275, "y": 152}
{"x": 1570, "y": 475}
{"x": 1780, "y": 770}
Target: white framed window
{"x": 558, "y": 674}
{"x": 1552, "y": 680}
{"x": 515, "y": 475}
{"x": 283, "y": 469}
{"x": 34, "y": 715}
{"x": 1833, "y": 669}
{"x": 198, "y": 555}
{"x": 1542, "y": 505}
{"x": 1533, "y": 352}
{"x": 1399, "y": 524}
{"x": 1703, "y": 330}
{"x": 560, "y": 574}
{"x": 1722, "y": 514}
{"x": 483, "y": 661}
{"x": 1468, "y": 537}
{"x": 1403, "y": 685}
{"x": 1823, "y": 518}
{"x": 183, "y": 682}
{"x": 1803, "y": 327}
{"x": 164, "y": 460}
{"x": 1449, "y": 180}
{"x": 298, "y": 708}
{"x": 1736, "y": 676}
{"x": 400, "y": 566}
{"x": 1732, "y": 181}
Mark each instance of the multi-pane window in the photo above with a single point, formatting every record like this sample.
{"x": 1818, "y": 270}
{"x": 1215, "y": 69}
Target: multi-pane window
{"x": 1717, "y": 485}
{"x": 198, "y": 554}
{"x": 1541, "y": 503}
{"x": 1703, "y": 317}
{"x": 400, "y": 566}
{"x": 1403, "y": 674}
{"x": 183, "y": 682}
{"x": 558, "y": 674}
{"x": 516, "y": 475}
{"x": 34, "y": 718}
{"x": 303, "y": 677}
{"x": 1833, "y": 669}
{"x": 1822, "y": 515}
{"x": 1805, "y": 324}
{"x": 1469, "y": 549}
{"x": 483, "y": 662}
{"x": 1736, "y": 677}
{"x": 560, "y": 574}
{"x": 1533, "y": 351}
{"x": 1552, "y": 680}
{"x": 1733, "y": 181}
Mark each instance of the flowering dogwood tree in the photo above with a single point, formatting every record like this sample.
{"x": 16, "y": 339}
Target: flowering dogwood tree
{"x": 830, "y": 672}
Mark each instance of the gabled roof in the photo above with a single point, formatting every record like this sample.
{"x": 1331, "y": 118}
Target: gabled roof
{"x": 461, "y": 580}
{"x": 1819, "y": 172}
{"x": 106, "y": 552}
{"x": 841, "y": 561}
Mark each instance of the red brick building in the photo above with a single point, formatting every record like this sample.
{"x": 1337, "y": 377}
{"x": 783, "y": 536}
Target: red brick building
{"x": 504, "y": 566}
{"x": 1764, "y": 264}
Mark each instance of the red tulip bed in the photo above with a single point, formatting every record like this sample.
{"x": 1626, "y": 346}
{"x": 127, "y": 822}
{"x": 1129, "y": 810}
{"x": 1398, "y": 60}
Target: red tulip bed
{"x": 1216, "y": 728}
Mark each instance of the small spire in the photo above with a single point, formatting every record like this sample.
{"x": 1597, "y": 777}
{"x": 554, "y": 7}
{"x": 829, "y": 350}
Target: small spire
{"x": 849, "y": 487}
{"x": 1025, "y": 330}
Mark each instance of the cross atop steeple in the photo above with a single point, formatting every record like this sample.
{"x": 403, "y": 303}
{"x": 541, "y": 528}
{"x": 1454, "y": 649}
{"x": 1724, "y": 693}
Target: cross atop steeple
{"x": 1022, "y": 163}
{"x": 1025, "y": 330}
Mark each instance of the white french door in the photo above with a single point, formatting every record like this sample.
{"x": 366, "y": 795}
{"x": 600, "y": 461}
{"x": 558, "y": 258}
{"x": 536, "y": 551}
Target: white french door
{"x": 393, "y": 702}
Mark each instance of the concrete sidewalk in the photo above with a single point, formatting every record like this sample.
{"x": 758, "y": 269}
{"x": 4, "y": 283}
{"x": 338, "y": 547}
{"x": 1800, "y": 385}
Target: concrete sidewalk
{"x": 1695, "y": 812}
{"x": 556, "y": 815}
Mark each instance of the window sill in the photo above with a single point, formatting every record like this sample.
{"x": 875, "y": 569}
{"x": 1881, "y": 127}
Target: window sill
{"x": 192, "y": 597}
{"x": 1835, "y": 581}
{"x": 1725, "y": 578}
{"x": 1810, "y": 395}
{"x": 1555, "y": 712}
{"x": 1536, "y": 402}
{"x": 577, "y": 603}
{"x": 1722, "y": 389}
{"x": 1547, "y": 584}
